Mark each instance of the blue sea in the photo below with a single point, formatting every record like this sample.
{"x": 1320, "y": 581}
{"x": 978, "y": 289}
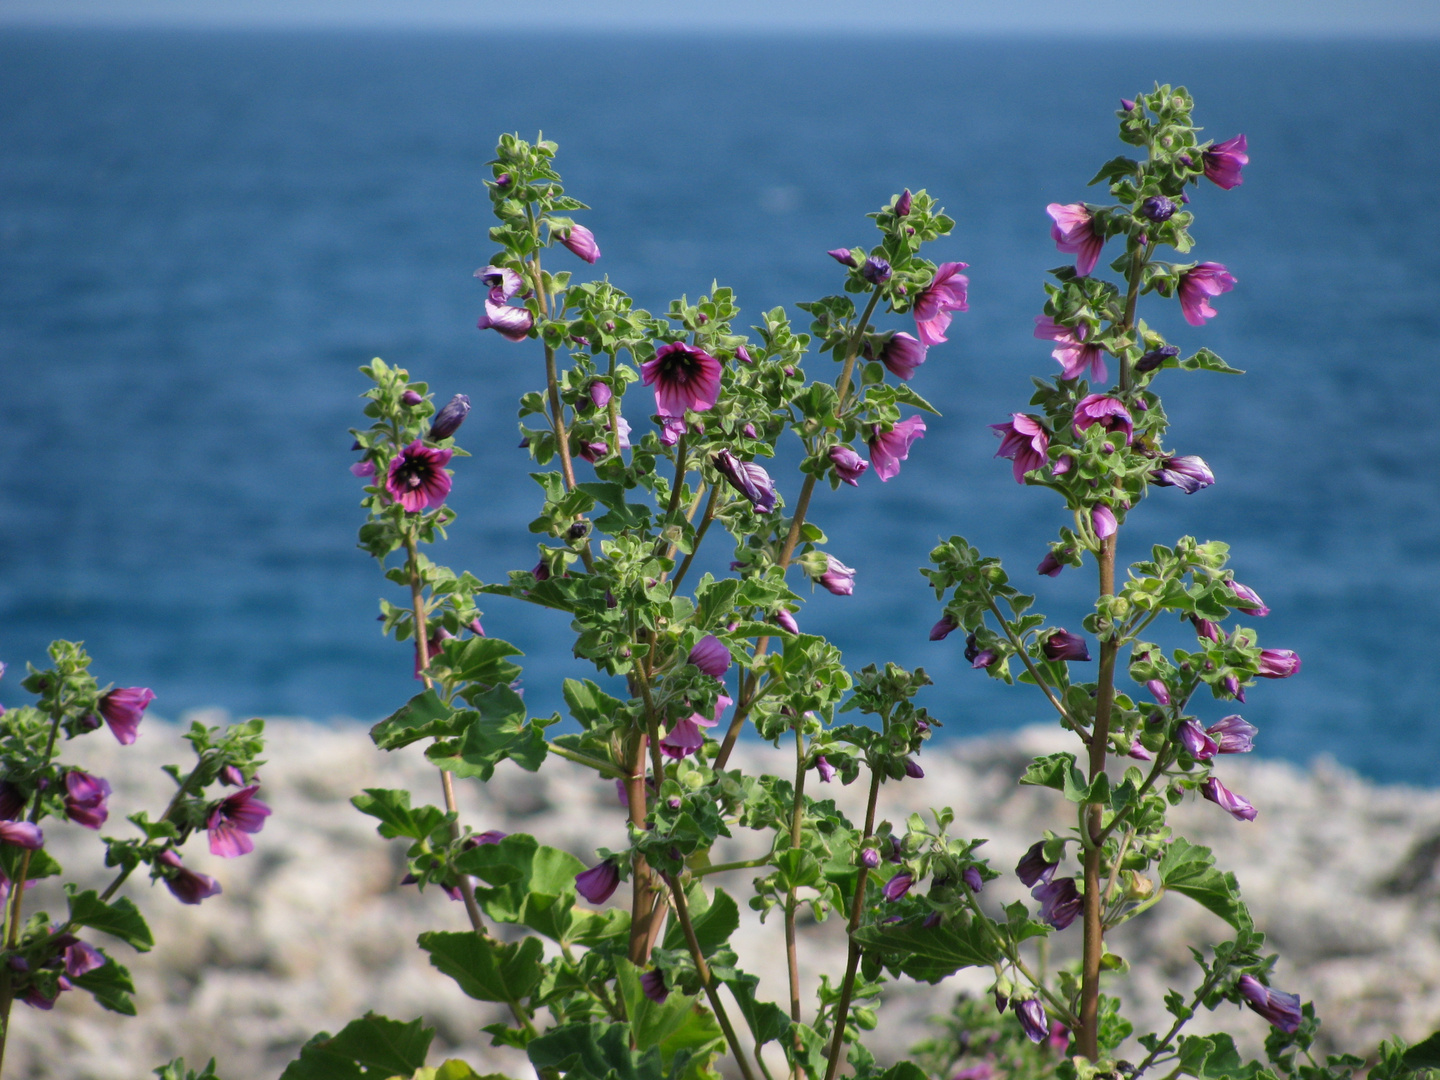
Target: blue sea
{"x": 202, "y": 235}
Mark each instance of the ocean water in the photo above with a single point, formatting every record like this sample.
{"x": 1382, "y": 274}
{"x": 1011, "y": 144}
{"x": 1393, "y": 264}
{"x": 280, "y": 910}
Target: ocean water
{"x": 203, "y": 235}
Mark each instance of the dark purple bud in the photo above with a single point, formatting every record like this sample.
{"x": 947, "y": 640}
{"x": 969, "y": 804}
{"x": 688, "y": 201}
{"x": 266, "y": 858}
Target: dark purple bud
{"x": 1155, "y": 357}
{"x": 1158, "y": 208}
{"x": 1233, "y": 735}
{"x": 85, "y": 797}
{"x": 895, "y": 855}
{"x": 710, "y": 656}
{"x": 1127, "y": 104}
{"x": 1032, "y": 1016}
{"x": 503, "y": 180}
{"x": 747, "y": 478}
{"x": 652, "y": 985}
{"x": 848, "y": 464}
{"x": 1205, "y": 628}
{"x": 984, "y": 658}
{"x": 743, "y": 354}
{"x": 1282, "y": 1010}
{"x": 1001, "y": 1000}
{"x": 1063, "y": 645}
{"x": 1102, "y": 520}
{"x": 902, "y": 204}
{"x": 843, "y": 256}
{"x": 1050, "y": 566}
{"x": 1158, "y": 688}
{"x": 787, "y": 621}
{"x": 1188, "y": 473}
{"x": 749, "y": 431}
{"x": 944, "y": 628}
{"x": 1233, "y": 687}
{"x": 973, "y": 881}
{"x": 932, "y": 920}
{"x": 1184, "y": 199}
{"x": 610, "y": 601}
{"x": 186, "y": 885}
{"x": 231, "y": 776}
{"x": 448, "y": 420}
{"x": 1196, "y": 743}
{"x": 1235, "y": 805}
{"x": 1033, "y": 866}
{"x": 876, "y": 270}
{"x": 89, "y": 722}
{"x": 1186, "y": 160}
{"x": 1142, "y": 239}
{"x": 411, "y": 398}
{"x": 1278, "y": 663}
{"x": 870, "y": 857}
{"x": 577, "y": 530}
{"x": 541, "y": 571}
{"x": 1060, "y": 902}
{"x": 913, "y": 769}
{"x": 898, "y": 886}
{"x": 826, "y": 770}
{"x": 599, "y": 882}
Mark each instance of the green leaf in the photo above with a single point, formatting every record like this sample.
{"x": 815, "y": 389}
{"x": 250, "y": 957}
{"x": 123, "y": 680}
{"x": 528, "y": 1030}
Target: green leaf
{"x": 588, "y": 704}
{"x": 679, "y": 1023}
{"x": 1116, "y": 168}
{"x": 110, "y": 986}
{"x": 176, "y": 1070}
{"x": 905, "y": 1070}
{"x": 600, "y": 1052}
{"x": 714, "y": 919}
{"x": 531, "y": 884}
{"x": 494, "y": 731}
{"x": 482, "y": 660}
{"x": 371, "y": 1048}
{"x": 622, "y": 516}
{"x": 1189, "y": 869}
{"x": 1424, "y": 1054}
{"x": 1214, "y": 1057}
{"x": 1205, "y": 360}
{"x": 767, "y": 1021}
{"x": 392, "y": 807}
{"x": 41, "y": 865}
{"x": 485, "y": 969}
{"x": 929, "y": 954}
{"x": 122, "y": 919}
{"x": 423, "y": 716}
{"x": 904, "y": 393}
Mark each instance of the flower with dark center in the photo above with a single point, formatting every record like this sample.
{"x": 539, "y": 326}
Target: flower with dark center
{"x": 1278, "y": 663}
{"x": 599, "y": 882}
{"x": 511, "y": 323}
{"x": 652, "y": 985}
{"x": 1032, "y": 1017}
{"x": 1063, "y": 645}
{"x": 944, "y": 628}
{"x": 1189, "y": 473}
{"x": 123, "y": 708}
{"x": 417, "y": 478}
{"x": 1074, "y": 234}
{"x": 898, "y": 886}
{"x": 1282, "y": 1010}
{"x": 1236, "y": 806}
{"x": 933, "y": 306}
{"x": 1223, "y": 162}
{"x": 848, "y": 464}
{"x": 12, "y": 801}
{"x": 1197, "y": 286}
{"x": 902, "y": 354}
{"x": 1024, "y": 441}
{"x": 85, "y": 797}
{"x": 581, "y": 241}
{"x": 233, "y": 819}
{"x": 186, "y": 885}
{"x": 502, "y": 283}
{"x": 448, "y": 420}
{"x": 1233, "y": 735}
{"x": 1060, "y": 902}
{"x": 1071, "y": 350}
{"x": 710, "y": 656}
{"x": 1110, "y": 413}
{"x": 838, "y": 578}
{"x": 748, "y": 478}
{"x": 684, "y": 378}
{"x": 1033, "y": 866}
{"x": 889, "y": 448}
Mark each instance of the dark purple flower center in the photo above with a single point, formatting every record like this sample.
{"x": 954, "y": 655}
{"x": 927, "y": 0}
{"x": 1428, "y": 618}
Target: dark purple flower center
{"x": 677, "y": 367}
{"x": 414, "y": 472}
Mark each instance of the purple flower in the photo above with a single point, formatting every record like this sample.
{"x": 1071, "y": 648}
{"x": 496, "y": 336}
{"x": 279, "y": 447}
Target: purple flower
{"x": 1233, "y": 688}
{"x": 902, "y": 204}
{"x": 1189, "y": 473}
{"x": 848, "y": 464}
{"x": 511, "y": 323}
{"x": 844, "y": 256}
{"x": 488, "y": 837}
{"x": 594, "y": 451}
{"x": 85, "y": 797}
{"x": 1070, "y": 349}
{"x": 448, "y": 420}
{"x": 502, "y": 283}
{"x": 684, "y": 378}
{"x": 1063, "y": 645}
{"x": 747, "y": 478}
{"x": 1024, "y": 441}
{"x": 12, "y": 801}
{"x": 875, "y": 270}
{"x": 1233, "y": 735}
{"x": 1196, "y": 742}
{"x": 81, "y": 959}
{"x": 870, "y": 858}
{"x": 1127, "y": 104}
{"x": 1050, "y": 565}
{"x": 1060, "y": 902}
{"x": 982, "y": 1071}
{"x": 1223, "y": 162}
{"x": 1032, "y": 1018}
{"x": 21, "y": 834}
{"x": 1197, "y": 286}
{"x": 1247, "y": 600}
{"x": 838, "y": 578}
{"x": 1102, "y": 520}
{"x": 417, "y": 478}
{"x": 1158, "y": 208}
{"x": 683, "y": 739}
{"x": 945, "y": 293}
{"x": 710, "y": 656}
{"x": 902, "y": 354}
{"x": 889, "y": 448}
{"x": 1138, "y": 752}
{"x": 1204, "y": 628}
{"x": 913, "y": 769}
{"x": 895, "y": 855}
{"x": 787, "y": 621}
{"x": 581, "y": 241}
{"x": 1033, "y": 866}
{"x": 1074, "y": 234}
{"x": 1236, "y": 806}
{"x": 1110, "y": 413}
{"x": 36, "y": 999}
{"x": 671, "y": 428}
{"x": 410, "y": 398}
{"x": 435, "y": 641}
{"x": 363, "y": 469}
{"x": 599, "y": 394}
{"x": 599, "y": 882}
{"x": 232, "y": 819}
{"x": 652, "y": 985}
{"x": 944, "y": 628}
{"x": 1160, "y": 690}
{"x": 973, "y": 881}
{"x": 898, "y": 886}
{"x": 826, "y": 770}
{"x": 186, "y": 885}
{"x": 231, "y": 776}
{"x": 123, "y": 709}
{"x": 1278, "y": 663}
{"x": 1282, "y": 1010}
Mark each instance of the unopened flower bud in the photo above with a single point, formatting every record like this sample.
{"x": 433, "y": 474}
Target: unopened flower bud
{"x": 448, "y": 420}
{"x": 411, "y": 398}
{"x": 1138, "y": 886}
{"x": 870, "y": 857}
{"x": 844, "y": 256}
{"x": 876, "y": 270}
{"x": 1155, "y": 357}
{"x": 1158, "y": 208}
{"x": 902, "y": 204}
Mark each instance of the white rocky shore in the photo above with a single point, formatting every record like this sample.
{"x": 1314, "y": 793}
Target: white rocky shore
{"x": 313, "y": 929}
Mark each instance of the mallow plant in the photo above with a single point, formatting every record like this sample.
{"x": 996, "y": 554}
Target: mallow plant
{"x": 43, "y": 791}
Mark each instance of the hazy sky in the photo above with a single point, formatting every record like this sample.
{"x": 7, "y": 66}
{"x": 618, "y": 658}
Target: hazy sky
{"x": 1288, "y": 18}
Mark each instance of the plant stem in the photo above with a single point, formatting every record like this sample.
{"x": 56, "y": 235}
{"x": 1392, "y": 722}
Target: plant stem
{"x": 797, "y": 821}
{"x": 674, "y": 492}
{"x": 1164, "y": 1043}
{"x": 705, "y": 521}
{"x": 852, "y": 960}
{"x": 605, "y": 768}
{"x": 1024, "y": 655}
{"x": 1013, "y": 956}
{"x": 644, "y": 894}
{"x": 743, "y": 864}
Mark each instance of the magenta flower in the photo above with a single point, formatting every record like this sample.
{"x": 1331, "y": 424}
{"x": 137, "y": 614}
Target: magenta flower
{"x": 1278, "y": 663}
{"x": 844, "y": 256}
{"x": 81, "y": 959}
{"x": 652, "y": 985}
{"x": 21, "y": 834}
{"x": 1160, "y": 690}
{"x": 363, "y": 469}
{"x": 747, "y": 478}
{"x": 502, "y": 283}
{"x": 913, "y": 769}
{"x": 1032, "y": 1017}
{"x": 685, "y": 736}
{"x": 410, "y": 398}
{"x": 671, "y": 428}
{"x": 1102, "y": 520}
{"x": 448, "y": 420}
{"x": 684, "y": 378}
{"x": 1189, "y": 473}
{"x": 1196, "y": 742}
{"x": 581, "y": 241}
{"x": 838, "y": 578}
{"x": 1223, "y": 162}
{"x": 85, "y": 797}
{"x": 898, "y": 886}
{"x": 511, "y": 323}
{"x": 599, "y": 882}
{"x": 123, "y": 708}
{"x": 594, "y": 451}
{"x": 945, "y": 293}
{"x": 710, "y": 656}
{"x": 1247, "y": 600}
{"x": 1024, "y": 441}
{"x": 982, "y": 1071}
{"x": 848, "y": 464}
{"x": 1236, "y": 806}
{"x": 889, "y": 448}
{"x": 1063, "y": 645}
{"x": 486, "y": 838}
{"x": 1110, "y": 413}
{"x": 1282, "y": 1010}
{"x": 186, "y": 885}
{"x": 1070, "y": 349}
{"x": 1233, "y": 735}
{"x": 944, "y": 628}
{"x": 1206, "y": 629}
{"x": 1050, "y": 565}
{"x": 1074, "y": 234}
{"x": 232, "y": 819}
{"x": 417, "y": 478}
{"x": 787, "y": 621}
{"x": 1138, "y": 752}
{"x": 902, "y": 204}
{"x": 1197, "y": 286}
{"x": 902, "y": 354}
{"x": 1233, "y": 688}
{"x": 1060, "y": 902}
{"x": 1033, "y": 866}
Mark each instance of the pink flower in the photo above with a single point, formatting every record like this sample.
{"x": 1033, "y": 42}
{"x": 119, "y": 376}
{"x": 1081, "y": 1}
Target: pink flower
{"x": 902, "y": 354}
{"x": 502, "y": 283}
{"x": 186, "y": 885}
{"x": 85, "y": 797}
{"x": 232, "y": 819}
{"x": 512, "y": 323}
{"x": 1024, "y": 441}
{"x": 710, "y": 656}
{"x": 581, "y": 241}
{"x": 21, "y": 834}
{"x": 1224, "y": 160}
{"x": 417, "y": 478}
{"x": 945, "y": 293}
{"x": 848, "y": 464}
{"x": 889, "y": 448}
{"x": 1102, "y": 520}
{"x": 123, "y": 709}
{"x": 684, "y": 378}
{"x": 838, "y": 578}
{"x": 787, "y": 621}
{"x": 1236, "y": 806}
{"x": 685, "y": 736}
{"x": 1197, "y": 286}
{"x": 1074, "y": 234}
{"x": 1278, "y": 663}
{"x": 1070, "y": 349}
{"x": 1108, "y": 412}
